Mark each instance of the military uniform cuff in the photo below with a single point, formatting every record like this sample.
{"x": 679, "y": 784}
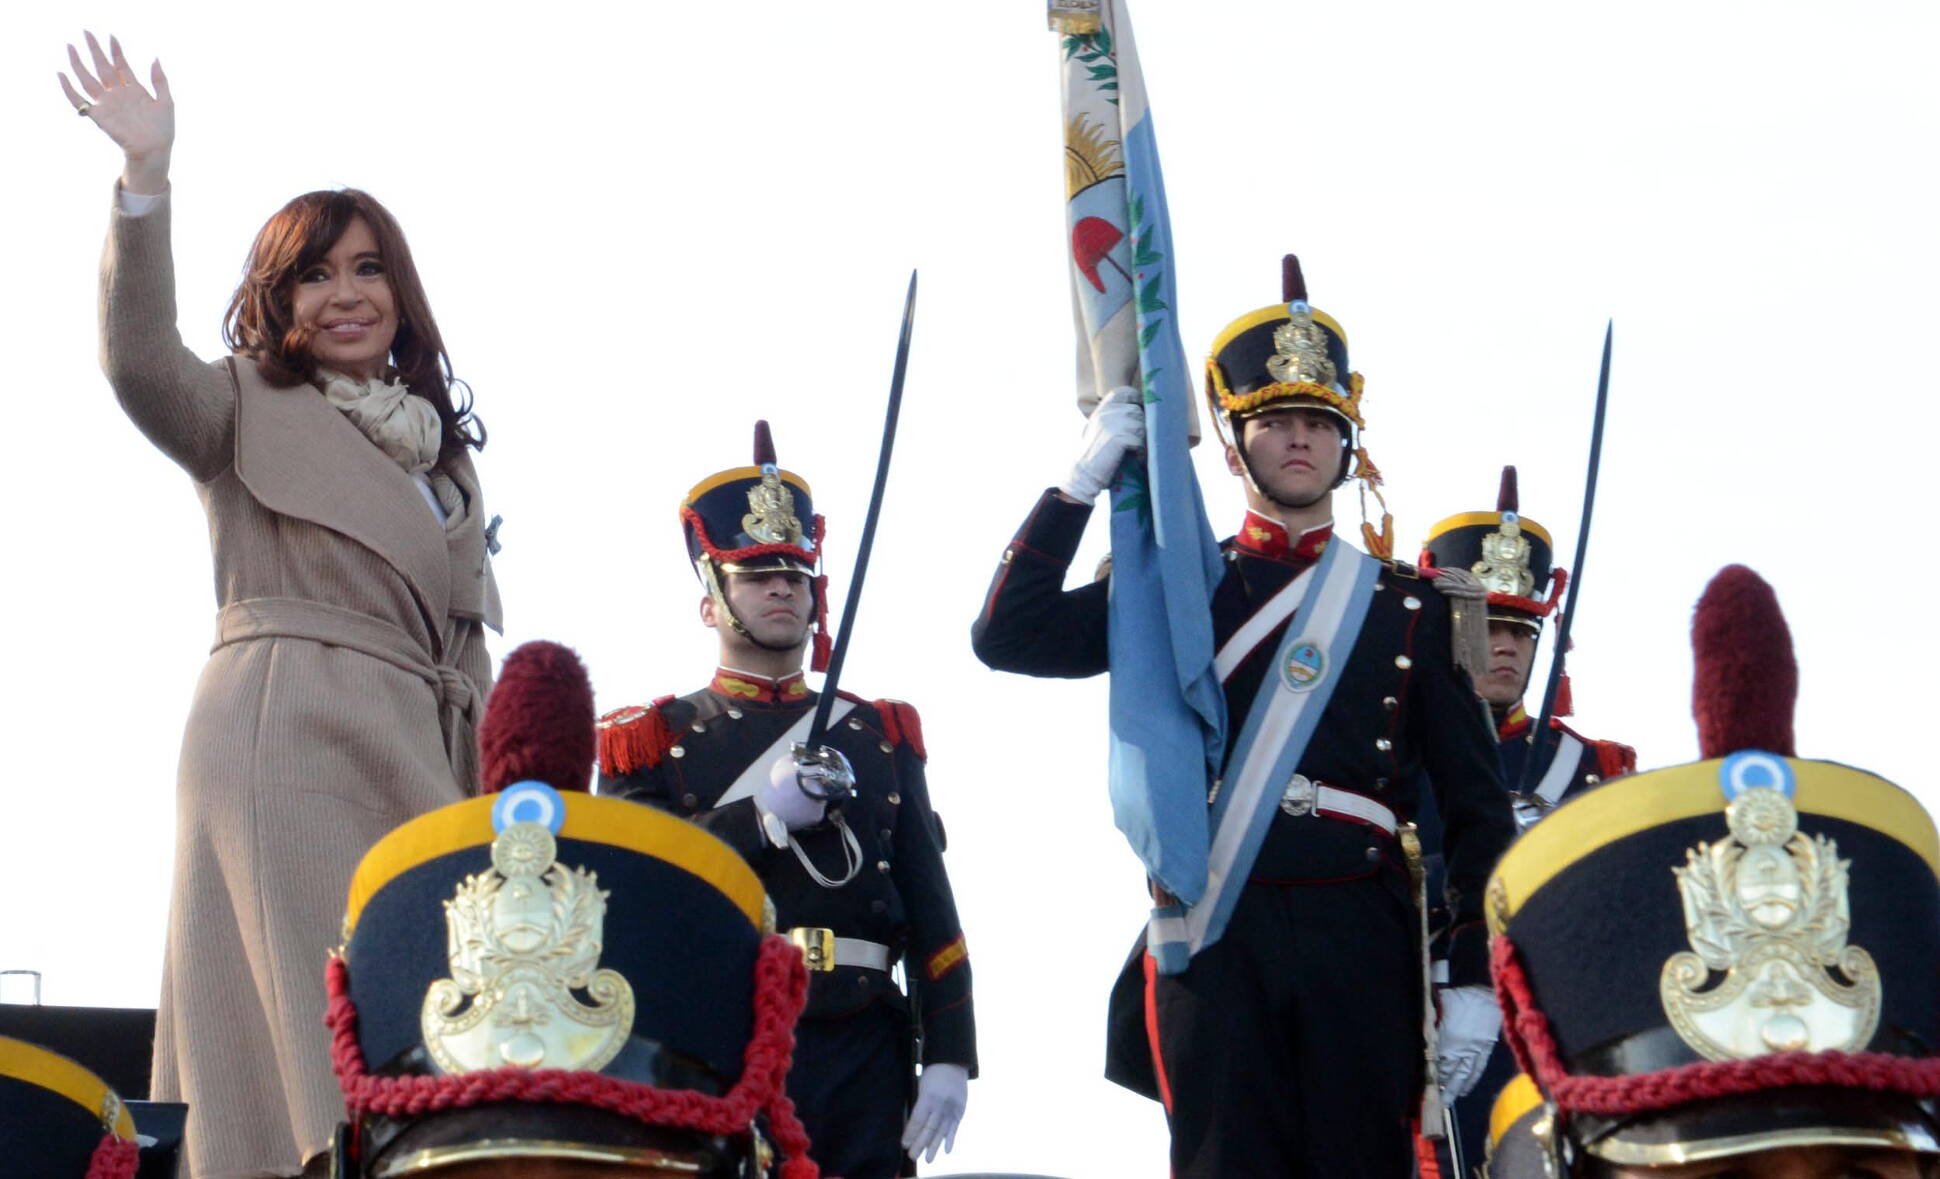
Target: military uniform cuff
{"x": 1054, "y": 529}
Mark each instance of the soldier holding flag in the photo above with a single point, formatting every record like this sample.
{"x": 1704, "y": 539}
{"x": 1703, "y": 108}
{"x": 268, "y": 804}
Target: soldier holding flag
{"x": 1288, "y": 1043}
{"x": 1272, "y": 698}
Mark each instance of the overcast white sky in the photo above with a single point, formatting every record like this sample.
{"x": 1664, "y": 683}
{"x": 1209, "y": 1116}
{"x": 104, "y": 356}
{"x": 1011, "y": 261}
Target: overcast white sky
{"x": 642, "y": 226}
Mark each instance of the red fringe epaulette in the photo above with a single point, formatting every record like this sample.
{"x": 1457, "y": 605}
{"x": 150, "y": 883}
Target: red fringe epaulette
{"x": 901, "y": 725}
{"x": 634, "y": 738}
{"x": 1613, "y": 758}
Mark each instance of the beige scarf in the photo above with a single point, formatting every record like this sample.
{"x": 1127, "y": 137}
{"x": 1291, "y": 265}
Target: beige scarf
{"x": 400, "y": 423}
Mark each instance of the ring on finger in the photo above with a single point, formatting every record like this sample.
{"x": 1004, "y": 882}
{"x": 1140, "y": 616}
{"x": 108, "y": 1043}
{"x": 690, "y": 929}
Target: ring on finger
{"x": 82, "y": 109}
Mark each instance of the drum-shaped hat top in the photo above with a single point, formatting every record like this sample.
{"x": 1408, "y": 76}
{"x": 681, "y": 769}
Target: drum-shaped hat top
{"x": 753, "y": 517}
{"x": 57, "y": 1119}
{"x": 1289, "y": 353}
{"x": 1508, "y": 552}
{"x": 1676, "y": 947}
{"x": 538, "y": 971}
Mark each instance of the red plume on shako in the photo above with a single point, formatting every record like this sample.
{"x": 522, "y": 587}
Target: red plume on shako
{"x": 1747, "y": 679}
{"x": 538, "y": 722}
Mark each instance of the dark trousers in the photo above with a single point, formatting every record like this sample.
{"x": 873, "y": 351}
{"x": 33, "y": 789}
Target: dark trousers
{"x": 1291, "y": 1048}
{"x": 851, "y": 1086}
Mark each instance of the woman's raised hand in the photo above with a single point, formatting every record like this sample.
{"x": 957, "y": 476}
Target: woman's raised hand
{"x": 142, "y": 124}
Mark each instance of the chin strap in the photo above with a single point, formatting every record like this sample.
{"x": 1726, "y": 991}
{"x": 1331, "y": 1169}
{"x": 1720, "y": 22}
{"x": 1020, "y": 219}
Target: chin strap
{"x": 824, "y": 641}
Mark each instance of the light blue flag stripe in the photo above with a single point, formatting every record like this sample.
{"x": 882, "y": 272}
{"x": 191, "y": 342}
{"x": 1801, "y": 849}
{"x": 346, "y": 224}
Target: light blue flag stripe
{"x": 1168, "y": 709}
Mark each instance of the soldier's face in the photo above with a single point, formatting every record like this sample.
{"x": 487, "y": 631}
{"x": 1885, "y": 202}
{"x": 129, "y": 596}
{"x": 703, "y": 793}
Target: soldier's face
{"x": 1512, "y": 649}
{"x": 1795, "y": 1162}
{"x": 1295, "y": 453}
{"x": 776, "y": 607}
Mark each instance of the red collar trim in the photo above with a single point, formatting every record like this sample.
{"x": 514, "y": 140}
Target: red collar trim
{"x": 1513, "y": 725}
{"x": 1263, "y": 536}
{"x": 759, "y": 689}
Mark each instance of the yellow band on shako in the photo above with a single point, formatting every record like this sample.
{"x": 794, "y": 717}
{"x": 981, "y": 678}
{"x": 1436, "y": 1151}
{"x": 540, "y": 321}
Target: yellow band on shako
{"x": 1488, "y": 520}
{"x": 1639, "y": 802}
{"x": 739, "y": 474}
{"x": 1517, "y": 1098}
{"x": 589, "y": 818}
{"x": 57, "y": 1074}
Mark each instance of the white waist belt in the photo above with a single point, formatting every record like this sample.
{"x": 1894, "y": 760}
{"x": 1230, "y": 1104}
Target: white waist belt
{"x": 1303, "y": 796}
{"x": 1345, "y": 804}
{"x": 841, "y": 951}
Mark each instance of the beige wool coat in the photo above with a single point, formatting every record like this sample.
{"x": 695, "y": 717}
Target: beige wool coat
{"x": 347, "y": 670}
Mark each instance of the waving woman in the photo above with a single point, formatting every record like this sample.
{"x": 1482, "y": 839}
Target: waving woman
{"x": 351, "y": 574}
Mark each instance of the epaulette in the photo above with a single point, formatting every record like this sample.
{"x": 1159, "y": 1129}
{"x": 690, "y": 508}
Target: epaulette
{"x": 1401, "y": 568}
{"x": 633, "y": 738}
{"x": 1613, "y": 758}
{"x": 900, "y": 724}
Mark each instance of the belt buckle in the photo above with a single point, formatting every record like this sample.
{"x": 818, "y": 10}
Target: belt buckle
{"x": 1527, "y": 809}
{"x": 817, "y": 946}
{"x": 1298, "y": 799}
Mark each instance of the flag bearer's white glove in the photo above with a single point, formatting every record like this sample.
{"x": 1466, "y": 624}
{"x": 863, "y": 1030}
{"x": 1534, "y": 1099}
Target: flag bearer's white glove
{"x": 1470, "y": 1023}
{"x": 941, "y": 1093}
{"x": 1115, "y": 429}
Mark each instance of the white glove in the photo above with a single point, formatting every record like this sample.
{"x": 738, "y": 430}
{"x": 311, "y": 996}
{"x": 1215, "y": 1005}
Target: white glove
{"x": 782, "y": 796}
{"x": 941, "y": 1093}
{"x": 1470, "y": 1023}
{"x": 1114, "y": 429}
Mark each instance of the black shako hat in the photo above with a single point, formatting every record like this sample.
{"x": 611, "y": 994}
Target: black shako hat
{"x": 60, "y": 1121}
{"x": 1733, "y": 955}
{"x": 748, "y": 519}
{"x": 1291, "y": 354}
{"x": 541, "y": 973}
{"x": 1510, "y": 554}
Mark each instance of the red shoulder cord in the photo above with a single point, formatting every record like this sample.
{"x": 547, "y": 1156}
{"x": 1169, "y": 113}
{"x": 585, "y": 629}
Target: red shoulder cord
{"x": 1534, "y": 1045}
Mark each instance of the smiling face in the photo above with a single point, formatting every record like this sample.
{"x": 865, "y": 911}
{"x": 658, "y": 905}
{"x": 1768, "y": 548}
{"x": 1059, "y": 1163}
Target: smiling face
{"x": 1512, "y": 650}
{"x": 1295, "y": 453}
{"x": 345, "y": 307}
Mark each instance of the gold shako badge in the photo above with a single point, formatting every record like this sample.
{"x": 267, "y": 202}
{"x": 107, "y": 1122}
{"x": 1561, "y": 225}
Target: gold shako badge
{"x": 771, "y": 515}
{"x": 522, "y": 937}
{"x": 1769, "y": 968}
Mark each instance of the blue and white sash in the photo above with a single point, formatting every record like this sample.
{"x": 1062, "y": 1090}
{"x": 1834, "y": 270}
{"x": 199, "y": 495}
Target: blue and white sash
{"x": 1283, "y": 718}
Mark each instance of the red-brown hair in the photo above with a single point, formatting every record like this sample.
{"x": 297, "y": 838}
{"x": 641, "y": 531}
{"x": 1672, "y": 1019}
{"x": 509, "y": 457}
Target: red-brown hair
{"x": 261, "y": 322}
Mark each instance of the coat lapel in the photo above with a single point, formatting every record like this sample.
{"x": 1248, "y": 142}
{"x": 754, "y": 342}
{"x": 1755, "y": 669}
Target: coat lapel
{"x": 300, "y": 457}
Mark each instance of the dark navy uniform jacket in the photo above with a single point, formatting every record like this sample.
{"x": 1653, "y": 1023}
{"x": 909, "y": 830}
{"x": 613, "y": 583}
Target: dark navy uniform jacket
{"x": 682, "y": 754}
{"x": 1400, "y": 707}
{"x": 1596, "y": 762}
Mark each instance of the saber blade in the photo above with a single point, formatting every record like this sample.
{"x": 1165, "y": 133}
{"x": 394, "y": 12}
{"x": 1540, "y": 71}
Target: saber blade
{"x": 1557, "y": 661}
{"x": 826, "y": 702}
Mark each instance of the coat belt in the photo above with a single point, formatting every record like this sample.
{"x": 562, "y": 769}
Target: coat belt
{"x": 298, "y": 618}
